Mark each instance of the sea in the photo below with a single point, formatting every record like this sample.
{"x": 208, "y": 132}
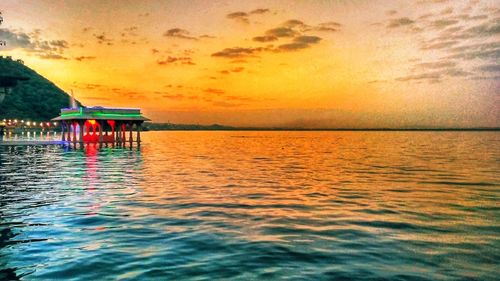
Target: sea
{"x": 254, "y": 205}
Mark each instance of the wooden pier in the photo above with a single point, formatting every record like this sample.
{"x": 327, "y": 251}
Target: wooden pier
{"x": 31, "y": 143}
{"x": 101, "y": 125}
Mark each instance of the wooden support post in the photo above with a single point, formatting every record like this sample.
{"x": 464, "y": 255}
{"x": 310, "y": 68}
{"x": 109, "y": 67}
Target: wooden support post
{"x": 63, "y": 137}
{"x": 74, "y": 131}
{"x": 101, "y": 136}
{"x": 130, "y": 138}
{"x": 118, "y": 135}
{"x": 124, "y": 135}
{"x": 80, "y": 123}
{"x": 138, "y": 133}
{"x": 68, "y": 125}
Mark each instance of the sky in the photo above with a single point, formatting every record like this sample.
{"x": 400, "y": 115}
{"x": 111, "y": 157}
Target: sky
{"x": 308, "y": 63}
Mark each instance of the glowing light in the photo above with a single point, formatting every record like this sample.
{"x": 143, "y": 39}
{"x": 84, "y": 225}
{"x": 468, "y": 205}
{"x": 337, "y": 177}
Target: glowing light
{"x": 92, "y": 122}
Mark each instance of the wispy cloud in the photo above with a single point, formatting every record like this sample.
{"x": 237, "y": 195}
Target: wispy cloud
{"x": 34, "y": 43}
{"x": 399, "y": 22}
{"x": 103, "y": 39}
{"x": 175, "y": 60}
{"x": 82, "y": 58}
{"x": 184, "y": 34}
{"x": 293, "y": 29}
{"x": 462, "y": 44}
{"x": 244, "y": 17}
{"x": 238, "y": 52}
{"x": 179, "y": 33}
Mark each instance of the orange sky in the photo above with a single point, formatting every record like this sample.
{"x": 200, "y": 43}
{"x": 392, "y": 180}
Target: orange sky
{"x": 431, "y": 63}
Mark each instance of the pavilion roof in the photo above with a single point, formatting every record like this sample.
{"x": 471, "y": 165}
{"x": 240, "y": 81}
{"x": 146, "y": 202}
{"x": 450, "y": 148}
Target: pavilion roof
{"x": 101, "y": 113}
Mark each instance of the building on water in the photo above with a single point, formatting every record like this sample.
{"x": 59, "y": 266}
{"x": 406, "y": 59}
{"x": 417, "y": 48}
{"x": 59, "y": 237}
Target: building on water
{"x": 102, "y": 125}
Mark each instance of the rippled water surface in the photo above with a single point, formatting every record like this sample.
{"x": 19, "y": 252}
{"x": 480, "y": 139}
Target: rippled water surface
{"x": 255, "y": 206}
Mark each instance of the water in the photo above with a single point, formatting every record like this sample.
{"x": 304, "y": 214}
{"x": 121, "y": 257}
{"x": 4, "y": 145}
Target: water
{"x": 255, "y": 206}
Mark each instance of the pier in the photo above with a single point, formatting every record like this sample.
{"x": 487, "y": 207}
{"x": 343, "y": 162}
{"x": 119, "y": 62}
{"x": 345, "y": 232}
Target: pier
{"x": 101, "y": 125}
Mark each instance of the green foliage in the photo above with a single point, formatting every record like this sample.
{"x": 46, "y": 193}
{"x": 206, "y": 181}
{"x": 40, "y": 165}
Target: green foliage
{"x": 37, "y": 99}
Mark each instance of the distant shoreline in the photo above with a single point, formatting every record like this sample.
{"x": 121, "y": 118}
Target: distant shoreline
{"x": 216, "y": 127}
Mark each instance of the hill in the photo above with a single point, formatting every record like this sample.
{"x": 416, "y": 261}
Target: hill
{"x": 36, "y": 99}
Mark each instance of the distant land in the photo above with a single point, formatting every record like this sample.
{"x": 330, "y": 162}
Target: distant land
{"x": 149, "y": 126}
{"x": 39, "y": 99}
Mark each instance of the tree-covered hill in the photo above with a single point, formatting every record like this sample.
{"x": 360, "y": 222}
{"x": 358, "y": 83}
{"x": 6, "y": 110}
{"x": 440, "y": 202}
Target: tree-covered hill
{"x": 36, "y": 99}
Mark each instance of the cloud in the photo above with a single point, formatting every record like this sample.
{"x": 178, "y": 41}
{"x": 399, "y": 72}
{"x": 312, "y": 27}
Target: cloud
{"x": 207, "y": 36}
{"x": 130, "y": 32}
{"x": 97, "y": 98}
{"x": 59, "y": 44}
{"x": 292, "y": 47}
{"x": 173, "y": 96}
{"x": 33, "y": 43}
{"x": 425, "y": 76}
{"x": 233, "y": 70}
{"x": 102, "y": 39}
{"x": 299, "y": 42}
{"x": 399, "y": 22}
{"x": 439, "y": 64}
{"x": 328, "y": 26}
{"x": 128, "y": 93}
{"x": 259, "y": 11}
{"x": 493, "y": 54}
{"x": 281, "y": 32}
{"x": 431, "y": 1}
{"x": 443, "y": 23}
{"x": 239, "y": 61}
{"x": 455, "y": 38}
{"x": 307, "y": 39}
{"x": 244, "y": 17}
{"x": 435, "y": 76}
{"x": 82, "y": 58}
{"x": 218, "y": 92}
{"x": 447, "y": 11}
{"x": 489, "y": 68}
{"x": 391, "y": 12}
{"x": 238, "y": 52}
{"x": 237, "y": 69}
{"x": 293, "y": 23}
{"x": 265, "y": 38}
{"x": 179, "y": 33}
{"x": 184, "y": 34}
{"x": 16, "y": 39}
{"x": 239, "y": 16}
{"x": 439, "y": 45}
{"x": 176, "y": 61}
{"x": 295, "y": 29}
{"x": 238, "y": 98}
{"x": 226, "y": 104}
{"x": 52, "y": 57}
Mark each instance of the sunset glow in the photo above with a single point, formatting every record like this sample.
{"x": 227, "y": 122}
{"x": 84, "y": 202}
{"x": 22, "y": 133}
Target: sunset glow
{"x": 345, "y": 63}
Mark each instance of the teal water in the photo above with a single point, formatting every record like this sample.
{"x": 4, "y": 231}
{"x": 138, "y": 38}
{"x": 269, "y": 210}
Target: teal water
{"x": 255, "y": 206}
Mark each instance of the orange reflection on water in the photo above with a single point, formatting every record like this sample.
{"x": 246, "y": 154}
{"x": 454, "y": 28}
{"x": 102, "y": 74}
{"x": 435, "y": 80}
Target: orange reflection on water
{"x": 376, "y": 182}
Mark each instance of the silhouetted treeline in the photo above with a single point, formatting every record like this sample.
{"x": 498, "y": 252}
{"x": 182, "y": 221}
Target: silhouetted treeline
{"x": 149, "y": 126}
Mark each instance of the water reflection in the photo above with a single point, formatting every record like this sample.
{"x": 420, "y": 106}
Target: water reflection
{"x": 49, "y": 196}
{"x": 254, "y": 205}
